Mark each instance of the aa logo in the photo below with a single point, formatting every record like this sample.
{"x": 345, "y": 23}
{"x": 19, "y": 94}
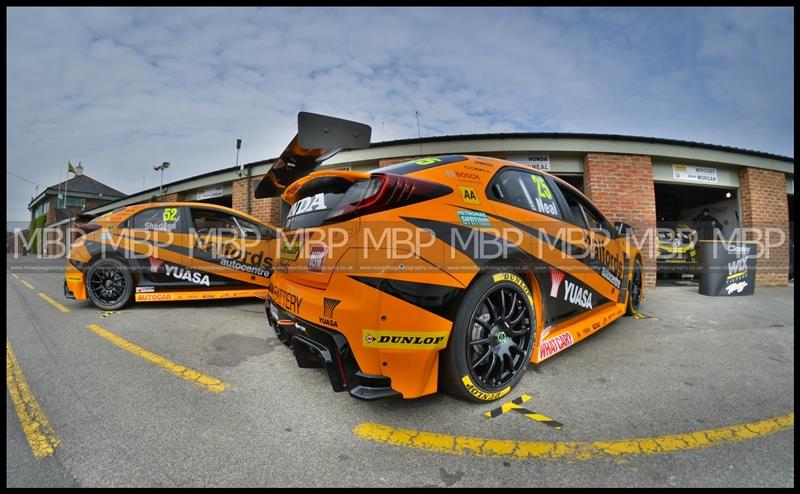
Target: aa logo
{"x": 468, "y": 195}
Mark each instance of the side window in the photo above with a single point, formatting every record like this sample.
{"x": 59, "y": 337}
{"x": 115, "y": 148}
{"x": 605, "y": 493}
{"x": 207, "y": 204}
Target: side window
{"x": 596, "y": 220}
{"x": 254, "y": 230}
{"x": 157, "y": 219}
{"x": 525, "y": 190}
{"x": 583, "y": 213}
{"x": 574, "y": 205}
{"x": 215, "y": 222}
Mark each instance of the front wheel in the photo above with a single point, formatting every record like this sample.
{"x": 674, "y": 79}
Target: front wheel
{"x": 492, "y": 339}
{"x": 109, "y": 284}
{"x": 635, "y": 288}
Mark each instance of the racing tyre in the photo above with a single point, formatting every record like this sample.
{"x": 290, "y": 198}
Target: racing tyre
{"x": 635, "y": 289}
{"x": 109, "y": 284}
{"x": 492, "y": 339}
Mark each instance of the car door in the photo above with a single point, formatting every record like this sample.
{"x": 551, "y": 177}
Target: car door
{"x": 529, "y": 201}
{"x": 604, "y": 255}
{"x": 232, "y": 249}
{"x": 158, "y": 236}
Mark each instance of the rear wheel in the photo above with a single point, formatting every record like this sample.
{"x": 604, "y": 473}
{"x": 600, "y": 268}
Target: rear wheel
{"x": 109, "y": 284}
{"x": 635, "y": 288}
{"x": 492, "y": 339}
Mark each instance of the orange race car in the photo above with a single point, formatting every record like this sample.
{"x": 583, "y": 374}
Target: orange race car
{"x": 448, "y": 272}
{"x": 167, "y": 252}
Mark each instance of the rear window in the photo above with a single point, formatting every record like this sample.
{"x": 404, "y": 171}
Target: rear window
{"x": 316, "y": 201}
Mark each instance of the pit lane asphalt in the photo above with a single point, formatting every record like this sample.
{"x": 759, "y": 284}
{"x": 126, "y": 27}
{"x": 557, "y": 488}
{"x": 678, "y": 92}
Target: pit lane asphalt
{"x": 122, "y": 421}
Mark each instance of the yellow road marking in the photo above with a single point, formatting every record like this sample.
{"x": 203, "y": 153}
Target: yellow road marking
{"x": 35, "y": 425}
{"x": 26, "y": 284}
{"x": 53, "y": 302}
{"x": 210, "y": 383}
{"x": 15, "y": 276}
{"x": 573, "y": 450}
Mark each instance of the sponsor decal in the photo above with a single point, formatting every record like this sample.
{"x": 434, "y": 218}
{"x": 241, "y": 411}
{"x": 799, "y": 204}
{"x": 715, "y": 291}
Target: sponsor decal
{"x": 739, "y": 250}
{"x": 106, "y": 236}
{"x": 556, "y": 277}
{"x": 198, "y": 295}
{"x": 598, "y": 251}
{"x": 473, "y": 177}
{"x": 155, "y": 264}
{"x": 231, "y": 255}
{"x": 595, "y": 325}
{"x": 479, "y": 168}
{"x": 328, "y": 306}
{"x": 288, "y": 301}
{"x": 554, "y": 345}
{"x": 736, "y": 287}
{"x": 468, "y": 195}
{"x": 404, "y": 340}
{"x": 74, "y": 277}
{"x": 546, "y": 331}
{"x": 481, "y": 395}
{"x": 316, "y": 257}
{"x": 283, "y": 267}
{"x": 516, "y": 280}
{"x": 153, "y": 297}
{"x": 473, "y": 218}
{"x": 308, "y": 205}
{"x": 609, "y": 276}
{"x": 248, "y": 268}
{"x": 737, "y": 268}
{"x": 290, "y": 250}
{"x": 145, "y": 289}
{"x": 577, "y": 295}
{"x": 186, "y": 274}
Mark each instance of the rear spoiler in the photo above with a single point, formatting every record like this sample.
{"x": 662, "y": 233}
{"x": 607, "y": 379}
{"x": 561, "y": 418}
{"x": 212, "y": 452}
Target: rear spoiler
{"x": 318, "y": 138}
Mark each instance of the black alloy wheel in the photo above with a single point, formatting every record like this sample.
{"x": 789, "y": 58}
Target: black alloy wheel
{"x": 109, "y": 284}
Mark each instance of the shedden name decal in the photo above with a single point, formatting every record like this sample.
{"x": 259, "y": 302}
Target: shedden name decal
{"x": 404, "y": 340}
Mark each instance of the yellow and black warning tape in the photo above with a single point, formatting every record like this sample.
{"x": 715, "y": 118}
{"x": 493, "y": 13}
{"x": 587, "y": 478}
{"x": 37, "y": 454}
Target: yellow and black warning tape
{"x": 107, "y": 313}
{"x": 516, "y": 405}
{"x": 642, "y": 315}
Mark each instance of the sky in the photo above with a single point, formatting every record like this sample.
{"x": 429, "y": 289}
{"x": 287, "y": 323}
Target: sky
{"x": 123, "y": 89}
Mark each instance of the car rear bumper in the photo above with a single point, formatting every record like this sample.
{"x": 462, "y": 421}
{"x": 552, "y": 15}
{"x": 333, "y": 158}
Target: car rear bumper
{"x": 74, "y": 283}
{"x": 317, "y": 347}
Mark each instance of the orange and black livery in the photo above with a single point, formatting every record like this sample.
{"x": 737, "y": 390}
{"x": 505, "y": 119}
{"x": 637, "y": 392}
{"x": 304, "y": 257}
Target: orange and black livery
{"x": 446, "y": 272}
{"x": 169, "y": 251}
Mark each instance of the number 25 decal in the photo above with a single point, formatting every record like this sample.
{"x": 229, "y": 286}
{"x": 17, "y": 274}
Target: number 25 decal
{"x": 541, "y": 187}
{"x": 170, "y": 214}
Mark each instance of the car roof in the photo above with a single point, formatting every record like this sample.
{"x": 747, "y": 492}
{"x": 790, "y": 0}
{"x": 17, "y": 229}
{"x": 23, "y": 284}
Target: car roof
{"x": 135, "y": 208}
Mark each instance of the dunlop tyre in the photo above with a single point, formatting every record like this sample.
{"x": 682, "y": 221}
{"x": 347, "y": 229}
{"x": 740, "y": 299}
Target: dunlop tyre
{"x": 455, "y": 375}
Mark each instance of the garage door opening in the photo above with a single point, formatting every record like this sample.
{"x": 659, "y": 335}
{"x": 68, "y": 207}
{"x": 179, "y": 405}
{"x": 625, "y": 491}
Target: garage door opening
{"x": 678, "y": 212}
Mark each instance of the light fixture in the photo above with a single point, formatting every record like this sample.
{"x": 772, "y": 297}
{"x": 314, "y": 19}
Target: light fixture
{"x": 728, "y": 195}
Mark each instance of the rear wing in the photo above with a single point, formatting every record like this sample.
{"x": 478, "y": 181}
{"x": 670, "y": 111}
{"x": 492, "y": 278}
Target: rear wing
{"x": 318, "y": 138}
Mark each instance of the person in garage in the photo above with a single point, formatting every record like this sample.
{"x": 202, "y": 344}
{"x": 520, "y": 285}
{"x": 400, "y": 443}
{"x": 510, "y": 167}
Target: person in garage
{"x": 706, "y": 225}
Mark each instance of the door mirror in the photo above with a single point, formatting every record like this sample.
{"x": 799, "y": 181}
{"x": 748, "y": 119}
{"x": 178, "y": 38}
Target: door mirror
{"x": 622, "y": 229}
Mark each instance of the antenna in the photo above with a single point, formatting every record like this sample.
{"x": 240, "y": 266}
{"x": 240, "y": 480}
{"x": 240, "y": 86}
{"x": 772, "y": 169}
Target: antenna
{"x": 419, "y": 133}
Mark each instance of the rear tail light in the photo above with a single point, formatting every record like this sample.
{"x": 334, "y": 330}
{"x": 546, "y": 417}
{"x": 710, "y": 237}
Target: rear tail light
{"x": 387, "y": 191}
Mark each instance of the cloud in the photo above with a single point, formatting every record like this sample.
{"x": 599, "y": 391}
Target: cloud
{"x": 122, "y": 89}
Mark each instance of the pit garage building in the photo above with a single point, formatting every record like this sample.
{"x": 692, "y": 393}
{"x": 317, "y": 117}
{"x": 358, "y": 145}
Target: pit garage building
{"x": 643, "y": 181}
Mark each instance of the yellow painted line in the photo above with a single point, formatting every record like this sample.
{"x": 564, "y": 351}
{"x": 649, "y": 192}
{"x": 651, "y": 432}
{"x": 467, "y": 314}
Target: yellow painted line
{"x": 53, "y": 303}
{"x": 574, "y": 450}
{"x": 26, "y": 284}
{"x": 35, "y": 425}
{"x": 210, "y": 383}
{"x": 15, "y": 276}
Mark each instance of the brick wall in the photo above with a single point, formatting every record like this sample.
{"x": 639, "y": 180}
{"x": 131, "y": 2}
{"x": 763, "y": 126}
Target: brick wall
{"x": 175, "y": 197}
{"x": 267, "y": 210}
{"x": 621, "y": 186}
{"x": 764, "y": 205}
